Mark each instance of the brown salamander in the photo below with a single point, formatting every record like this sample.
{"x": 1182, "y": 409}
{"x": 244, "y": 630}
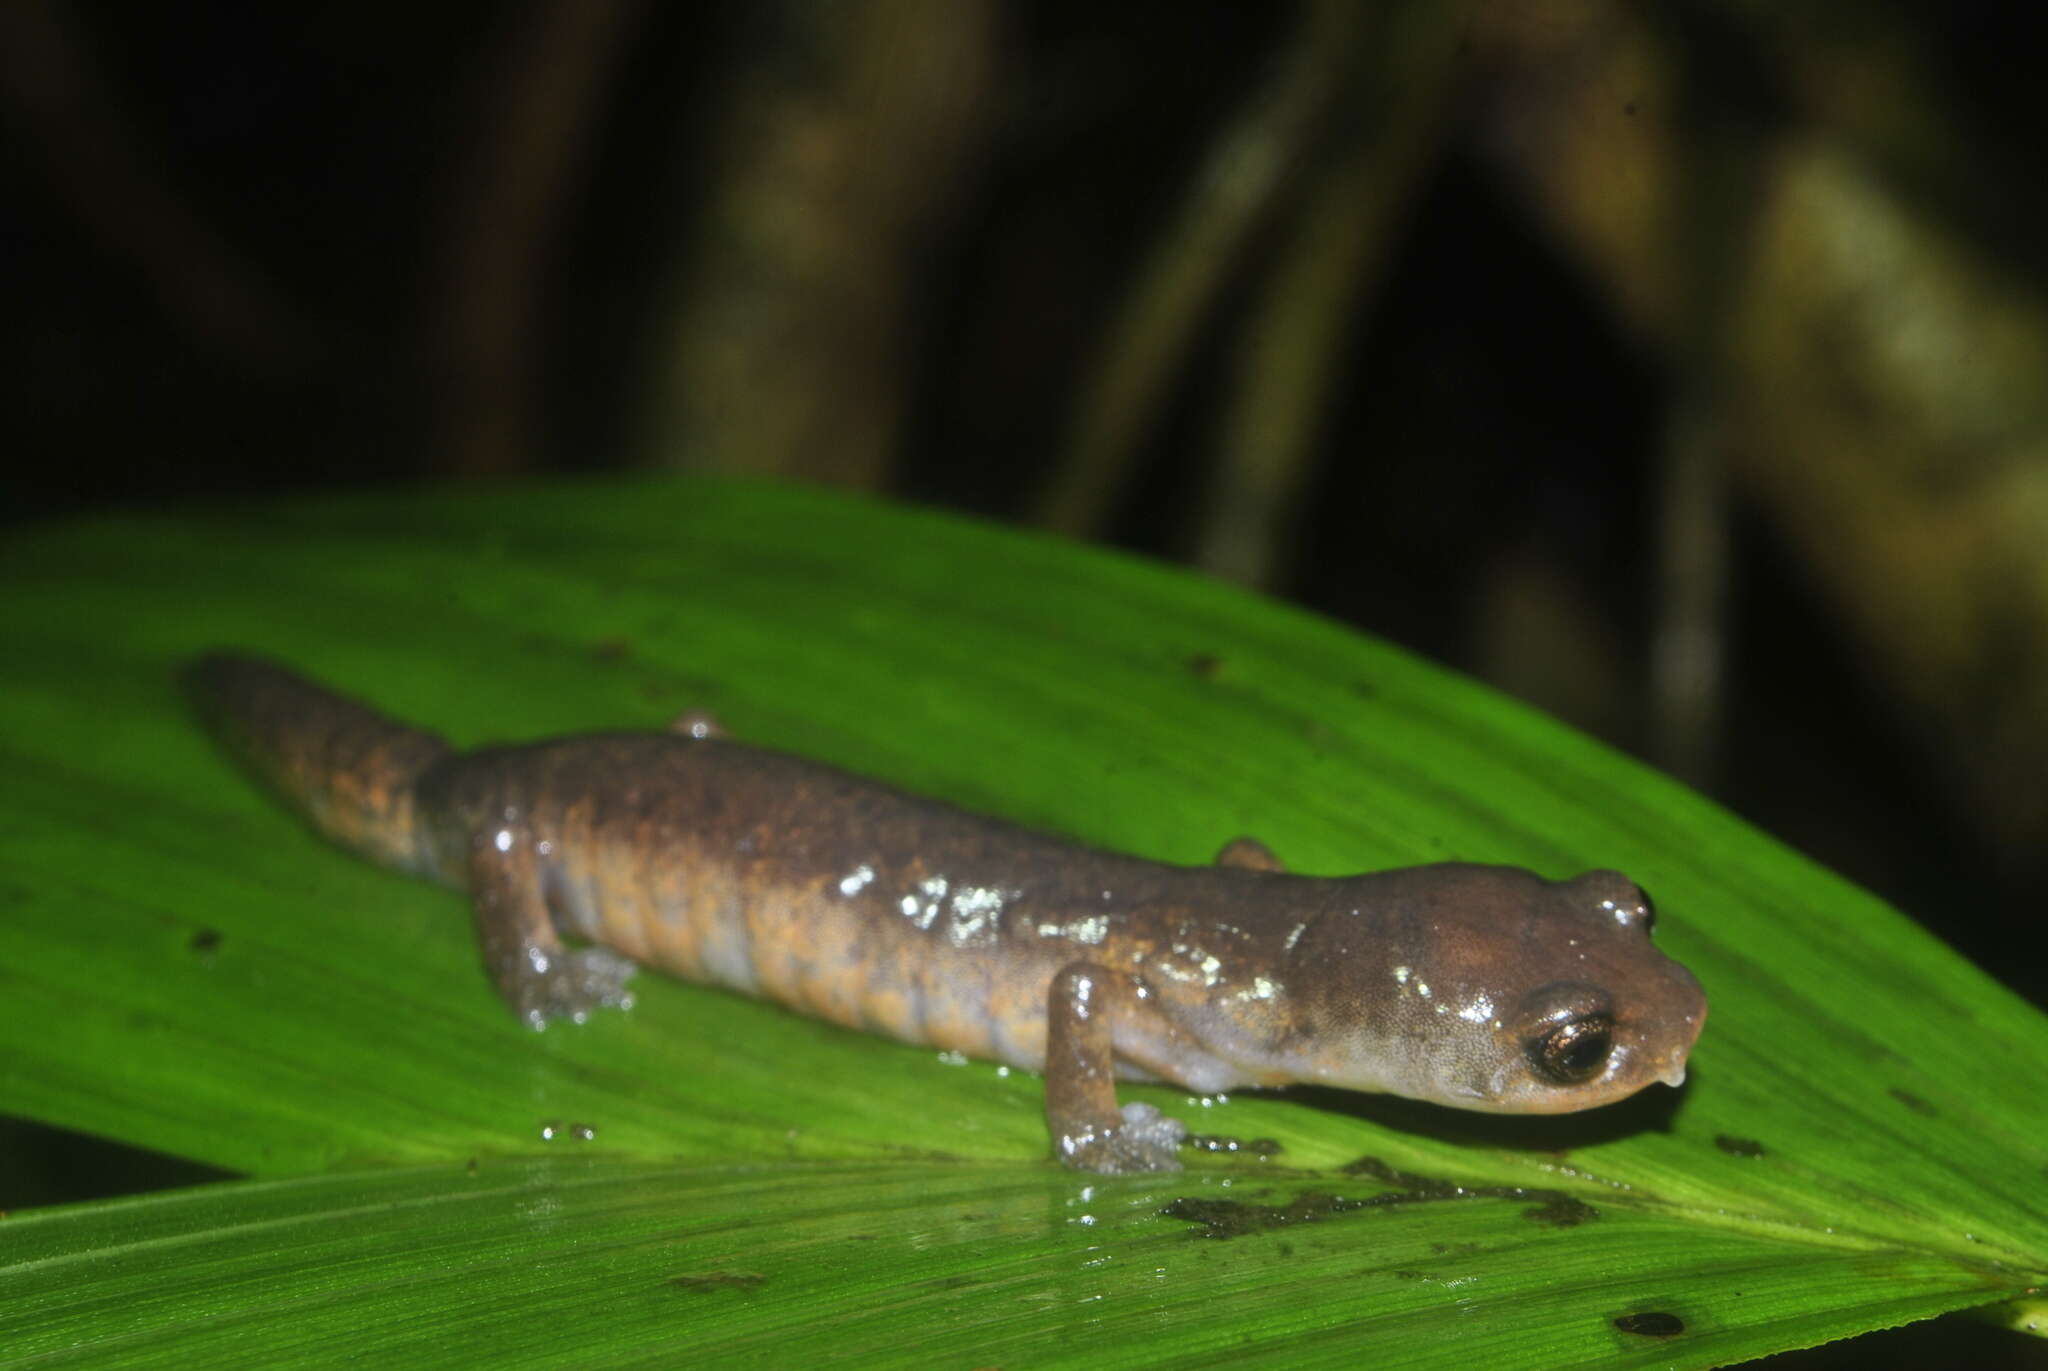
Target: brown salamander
{"x": 1479, "y": 987}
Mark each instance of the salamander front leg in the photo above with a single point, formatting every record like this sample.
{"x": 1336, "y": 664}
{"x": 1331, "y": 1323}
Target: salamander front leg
{"x": 539, "y": 977}
{"x": 1089, "y": 1132}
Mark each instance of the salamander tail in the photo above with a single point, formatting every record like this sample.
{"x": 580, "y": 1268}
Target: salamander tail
{"x": 348, "y": 769}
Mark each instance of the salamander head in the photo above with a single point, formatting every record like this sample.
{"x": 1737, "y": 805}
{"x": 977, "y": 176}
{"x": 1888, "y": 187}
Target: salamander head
{"x": 1489, "y": 988}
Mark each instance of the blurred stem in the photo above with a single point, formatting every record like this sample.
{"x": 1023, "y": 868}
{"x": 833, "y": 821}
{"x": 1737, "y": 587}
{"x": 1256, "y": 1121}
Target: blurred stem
{"x": 1247, "y": 175}
{"x": 1868, "y": 76}
{"x": 1688, "y": 643}
{"x": 841, "y": 143}
{"x": 520, "y": 162}
{"x": 1882, "y": 387}
{"x": 1709, "y": 247}
{"x": 1335, "y": 249}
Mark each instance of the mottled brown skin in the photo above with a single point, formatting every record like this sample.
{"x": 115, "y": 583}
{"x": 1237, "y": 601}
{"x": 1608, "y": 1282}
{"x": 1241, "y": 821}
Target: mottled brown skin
{"x": 1474, "y": 986}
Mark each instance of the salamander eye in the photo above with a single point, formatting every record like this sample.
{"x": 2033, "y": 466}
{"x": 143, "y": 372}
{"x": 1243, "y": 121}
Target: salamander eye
{"x": 1574, "y": 1051}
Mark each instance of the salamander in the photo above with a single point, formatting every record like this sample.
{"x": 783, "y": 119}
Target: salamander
{"x": 1479, "y": 987}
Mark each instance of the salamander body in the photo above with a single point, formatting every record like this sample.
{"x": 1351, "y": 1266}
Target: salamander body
{"x": 1479, "y": 987}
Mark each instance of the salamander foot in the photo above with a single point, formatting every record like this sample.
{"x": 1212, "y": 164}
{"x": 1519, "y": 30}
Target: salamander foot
{"x": 1146, "y": 1140}
{"x": 569, "y": 984}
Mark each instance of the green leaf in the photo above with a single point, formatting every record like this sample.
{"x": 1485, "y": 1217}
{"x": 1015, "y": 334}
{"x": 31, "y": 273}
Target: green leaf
{"x": 187, "y": 969}
{"x": 592, "y": 1262}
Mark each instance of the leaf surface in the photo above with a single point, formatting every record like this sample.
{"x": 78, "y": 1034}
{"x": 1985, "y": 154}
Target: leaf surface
{"x": 187, "y": 969}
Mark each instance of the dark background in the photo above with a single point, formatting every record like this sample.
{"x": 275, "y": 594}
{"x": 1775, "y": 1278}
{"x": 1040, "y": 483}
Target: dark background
{"x": 249, "y": 248}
